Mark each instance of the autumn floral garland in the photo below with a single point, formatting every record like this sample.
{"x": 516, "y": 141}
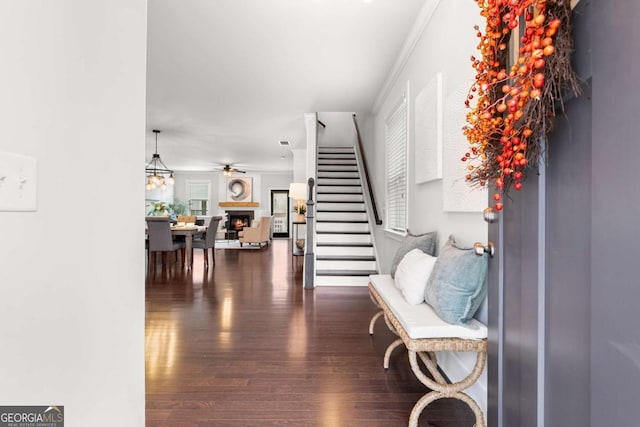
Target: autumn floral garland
{"x": 512, "y": 108}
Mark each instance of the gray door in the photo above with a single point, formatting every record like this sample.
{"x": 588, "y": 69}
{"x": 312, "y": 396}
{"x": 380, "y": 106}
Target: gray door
{"x": 564, "y": 291}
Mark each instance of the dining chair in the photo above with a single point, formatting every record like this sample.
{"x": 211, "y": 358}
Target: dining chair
{"x": 160, "y": 239}
{"x": 209, "y": 241}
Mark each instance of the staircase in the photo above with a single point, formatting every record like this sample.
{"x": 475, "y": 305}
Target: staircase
{"x": 344, "y": 250}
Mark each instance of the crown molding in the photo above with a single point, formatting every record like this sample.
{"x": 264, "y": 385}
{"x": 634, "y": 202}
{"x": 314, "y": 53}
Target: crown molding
{"x": 421, "y": 22}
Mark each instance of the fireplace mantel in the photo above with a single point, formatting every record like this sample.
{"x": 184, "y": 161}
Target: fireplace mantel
{"x": 239, "y": 204}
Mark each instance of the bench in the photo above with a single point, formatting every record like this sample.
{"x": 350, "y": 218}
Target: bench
{"x": 423, "y": 333}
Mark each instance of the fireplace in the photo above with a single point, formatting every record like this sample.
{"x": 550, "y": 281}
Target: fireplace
{"x": 237, "y": 220}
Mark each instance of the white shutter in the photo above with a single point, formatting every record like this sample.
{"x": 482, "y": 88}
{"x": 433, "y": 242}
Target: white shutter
{"x": 396, "y": 161}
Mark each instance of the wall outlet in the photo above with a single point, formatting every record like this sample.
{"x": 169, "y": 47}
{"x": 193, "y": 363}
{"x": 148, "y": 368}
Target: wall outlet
{"x": 18, "y": 179}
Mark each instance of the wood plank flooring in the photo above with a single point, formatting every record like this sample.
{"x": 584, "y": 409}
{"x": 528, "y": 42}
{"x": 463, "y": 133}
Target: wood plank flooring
{"x": 243, "y": 345}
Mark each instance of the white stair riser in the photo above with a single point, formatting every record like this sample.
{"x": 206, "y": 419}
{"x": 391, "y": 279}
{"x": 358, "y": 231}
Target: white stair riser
{"x": 340, "y": 189}
{"x": 340, "y": 197}
{"x": 341, "y": 216}
{"x": 336, "y": 168}
{"x": 331, "y": 162}
{"x": 337, "y": 227}
{"x": 338, "y": 174}
{"x": 342, "y": 280}
{"x": 323, "y": 150}
{"x": 340, "y": 206}
{"x": 325, "y": 156}
{"x": 338, "y": 181}
{"x": 345, "y": 265}
{"x": 333, "y": 152}
{"x": 343, "y": 238}
{"x": 344, "y": 250}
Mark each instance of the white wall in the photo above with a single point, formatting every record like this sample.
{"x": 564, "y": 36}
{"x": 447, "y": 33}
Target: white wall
{"x": 445, "y": 45}
{"x": 299, "y": 165}
{"x": 339, "y": 129}
{"x": 263, "y": 183}
{"x": 452, "y": 22}
{"x": 72, "y": 273}
{"x": 272, "y": 181}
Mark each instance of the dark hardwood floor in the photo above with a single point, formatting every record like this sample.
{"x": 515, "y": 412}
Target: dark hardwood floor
{"x": 243, "y": 345}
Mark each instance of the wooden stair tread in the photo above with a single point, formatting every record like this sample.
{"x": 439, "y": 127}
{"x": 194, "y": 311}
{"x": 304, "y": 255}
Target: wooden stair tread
{"x": 338, "y": 201}
{"x": 326, "y": 163}
{"x": 345, "y": 272}
{"x": 345, "y": 245}
{"x": 343, "y": 232}
{"x": 345, "y": 258}
{"x": 351, "y": 221}
{"x": 344, "y": 192}
{"x": 339, "y": 211}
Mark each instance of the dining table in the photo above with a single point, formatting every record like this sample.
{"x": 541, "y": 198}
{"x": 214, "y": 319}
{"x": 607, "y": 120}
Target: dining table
{"x": 188, "y": 231}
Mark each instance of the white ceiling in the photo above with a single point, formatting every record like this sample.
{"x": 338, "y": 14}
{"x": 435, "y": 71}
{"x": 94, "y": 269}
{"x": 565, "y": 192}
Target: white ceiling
{"x": 228, "y": 79}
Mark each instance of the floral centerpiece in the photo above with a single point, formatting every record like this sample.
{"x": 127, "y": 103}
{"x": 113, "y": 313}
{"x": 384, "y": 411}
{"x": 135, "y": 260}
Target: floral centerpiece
{"x": 159, "y": 209}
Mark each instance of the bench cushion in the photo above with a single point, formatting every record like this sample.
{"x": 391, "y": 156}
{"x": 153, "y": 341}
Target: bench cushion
{"x": 421, "y": 321}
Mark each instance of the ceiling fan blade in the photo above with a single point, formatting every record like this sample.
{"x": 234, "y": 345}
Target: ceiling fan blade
{"x": 228, "y": 169}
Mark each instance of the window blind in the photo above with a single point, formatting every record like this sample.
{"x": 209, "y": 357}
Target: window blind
{"x": 198, "y": 196}
{"x": 198, "y": 190}
{"x": 396, "y": 161}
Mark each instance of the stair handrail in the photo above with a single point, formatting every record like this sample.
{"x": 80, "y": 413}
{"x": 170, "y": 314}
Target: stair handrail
{"x": 366, "y": 174}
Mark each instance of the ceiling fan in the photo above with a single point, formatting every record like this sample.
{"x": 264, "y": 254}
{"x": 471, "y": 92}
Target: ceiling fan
{"x": 229, "y": 170}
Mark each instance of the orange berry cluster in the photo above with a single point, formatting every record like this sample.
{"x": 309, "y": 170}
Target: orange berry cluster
{"x": 498, "y": 127}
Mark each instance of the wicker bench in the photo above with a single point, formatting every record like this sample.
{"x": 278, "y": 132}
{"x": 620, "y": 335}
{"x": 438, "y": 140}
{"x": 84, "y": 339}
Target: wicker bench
{"x": 423, "y": 333}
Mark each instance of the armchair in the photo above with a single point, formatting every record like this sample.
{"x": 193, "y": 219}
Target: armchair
{"x": 258, "y": 234}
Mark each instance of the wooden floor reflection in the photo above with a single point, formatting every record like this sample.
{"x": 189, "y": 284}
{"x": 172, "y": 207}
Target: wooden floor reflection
{"x": 242, "y": 344}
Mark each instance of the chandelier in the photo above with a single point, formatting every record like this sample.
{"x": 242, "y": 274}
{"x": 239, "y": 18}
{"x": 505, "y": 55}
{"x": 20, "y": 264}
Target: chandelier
{"x": 158, "y": 174}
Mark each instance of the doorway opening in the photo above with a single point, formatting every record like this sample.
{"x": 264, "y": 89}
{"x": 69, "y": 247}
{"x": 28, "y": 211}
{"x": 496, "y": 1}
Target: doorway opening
{"x": 281, "y": 212}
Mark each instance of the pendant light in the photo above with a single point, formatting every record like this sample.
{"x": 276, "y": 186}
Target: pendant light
{"x": 157, "y": 171}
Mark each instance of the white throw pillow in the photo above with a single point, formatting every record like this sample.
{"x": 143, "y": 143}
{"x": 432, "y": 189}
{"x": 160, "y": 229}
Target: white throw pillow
{"x": 412, "y": 275}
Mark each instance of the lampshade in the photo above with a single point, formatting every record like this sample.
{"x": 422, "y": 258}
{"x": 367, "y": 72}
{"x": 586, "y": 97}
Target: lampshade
{"x": 298, "y": 191}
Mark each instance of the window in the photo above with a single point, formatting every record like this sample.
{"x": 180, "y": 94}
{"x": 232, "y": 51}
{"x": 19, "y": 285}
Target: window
{"x": 395, "y": 135}
{"x": 198, "y": 197}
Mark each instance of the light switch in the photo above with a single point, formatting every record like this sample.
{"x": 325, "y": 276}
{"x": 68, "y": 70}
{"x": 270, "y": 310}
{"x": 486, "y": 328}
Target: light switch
{"x": 18, "y": 179}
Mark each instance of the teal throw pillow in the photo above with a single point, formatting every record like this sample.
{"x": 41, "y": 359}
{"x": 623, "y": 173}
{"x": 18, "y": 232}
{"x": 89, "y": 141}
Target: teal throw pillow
{"x": 458, "y": 283}
{"x": 425, "y": 242}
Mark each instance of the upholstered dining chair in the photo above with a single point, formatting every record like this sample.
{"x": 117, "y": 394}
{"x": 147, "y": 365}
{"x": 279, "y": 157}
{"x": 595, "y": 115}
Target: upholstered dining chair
{"x": 160, "y": 239}
{"x": 209, "y": 241}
